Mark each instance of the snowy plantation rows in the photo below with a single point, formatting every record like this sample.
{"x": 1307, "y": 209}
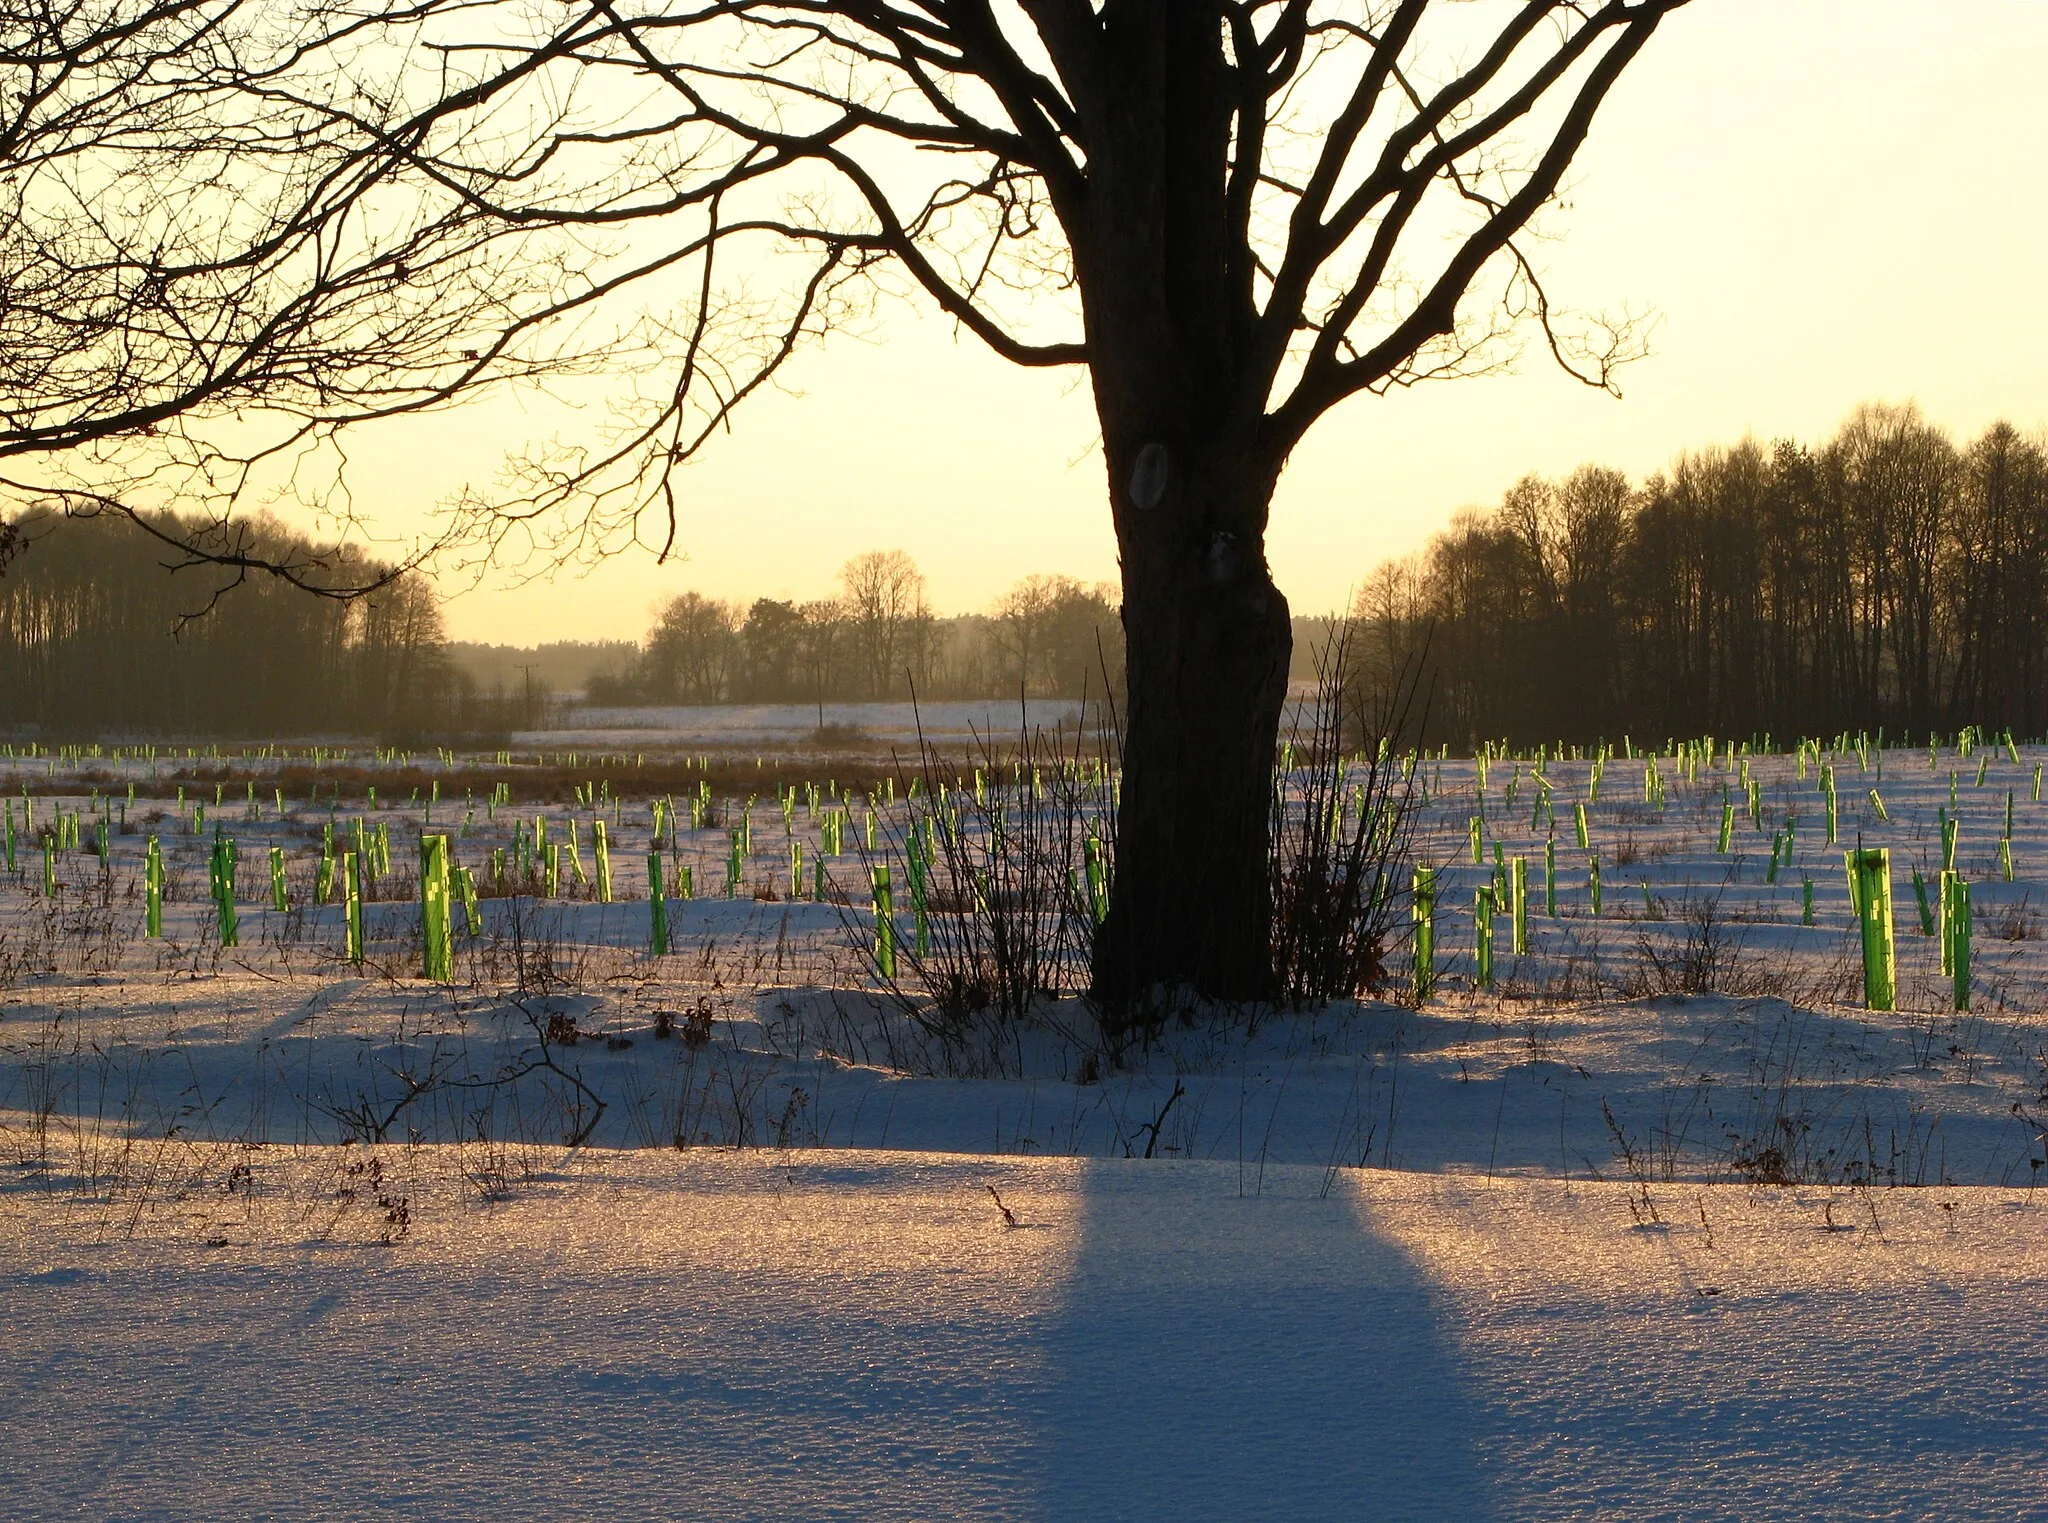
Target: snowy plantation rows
{"x": 1696, "y": 1028}
{"x": 743, "y": 1230}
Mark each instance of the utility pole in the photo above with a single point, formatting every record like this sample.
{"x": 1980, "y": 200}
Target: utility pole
{"x": 527, "y": 669}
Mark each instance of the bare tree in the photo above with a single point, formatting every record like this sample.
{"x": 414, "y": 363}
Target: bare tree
{"x": 772, "y": 650}
{"x": 1235, "y": 213}
{"x": 1057, "y": 638}
{"x": 1900, "y": 471}
{"x": 821, "y": 649}
{"x": 202, "y": 281}
{"x": 690, "y": 650}
{"x": 1023, "y": 626}
{"x": 1884, "y": 582}
{"x": 883, "y": 601}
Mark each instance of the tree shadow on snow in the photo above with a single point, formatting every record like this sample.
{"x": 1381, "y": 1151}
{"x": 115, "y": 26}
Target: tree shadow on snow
{"x": 1232, "y": 1357}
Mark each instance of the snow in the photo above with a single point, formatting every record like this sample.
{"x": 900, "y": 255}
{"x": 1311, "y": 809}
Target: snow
{"x": 858, "y": 1335}
{"x": 285, "y": 1237}
{"x": 793, "y": 728}
{"x": 1694, "y": 1085}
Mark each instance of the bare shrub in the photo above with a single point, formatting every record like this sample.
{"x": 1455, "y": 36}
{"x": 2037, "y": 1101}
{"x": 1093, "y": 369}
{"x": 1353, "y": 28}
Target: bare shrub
{"x": 82, "y": 930}
{"x": 1010, "y": 907}
{"x": 1706, "y": 957}
{"x": 1336, "y": 887}
{"x": 2013, "y": 922}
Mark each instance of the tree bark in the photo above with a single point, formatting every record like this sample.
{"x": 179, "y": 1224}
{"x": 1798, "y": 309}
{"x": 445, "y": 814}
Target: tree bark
{"x": 1207, "y": 640}
{"x": 1167, "y": 294}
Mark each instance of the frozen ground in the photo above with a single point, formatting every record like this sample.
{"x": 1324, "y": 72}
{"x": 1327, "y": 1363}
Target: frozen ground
{"x": 281, "y": 1236}
{"x": 1672, "y": 1089}
{"x": 795, "y": 727}
{"x": 858, "y": 1335}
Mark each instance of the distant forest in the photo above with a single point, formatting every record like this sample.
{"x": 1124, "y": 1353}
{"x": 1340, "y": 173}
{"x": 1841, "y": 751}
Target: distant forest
{"x": 94, "y": 641}
{"x": 98, "y": 638}
{"x": 1048, "y": 636}
{"x": 1888, "y": 577}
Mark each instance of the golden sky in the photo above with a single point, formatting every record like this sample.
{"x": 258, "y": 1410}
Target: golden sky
{"x": 1825, "y": 201}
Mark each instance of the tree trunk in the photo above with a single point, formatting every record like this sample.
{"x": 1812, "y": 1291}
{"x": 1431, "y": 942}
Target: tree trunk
{"x": 1167, "y": 288}
{"x": 1207, "y": 641}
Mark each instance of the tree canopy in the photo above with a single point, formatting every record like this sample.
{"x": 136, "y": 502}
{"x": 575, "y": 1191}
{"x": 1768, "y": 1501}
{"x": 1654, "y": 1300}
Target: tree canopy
{"x": 323, "y": 215}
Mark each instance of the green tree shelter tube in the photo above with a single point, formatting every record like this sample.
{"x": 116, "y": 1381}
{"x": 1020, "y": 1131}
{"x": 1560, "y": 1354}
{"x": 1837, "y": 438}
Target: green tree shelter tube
{"x": 1483, "y": 906}
{"x": 601, "y": 857}
{"x": 153, "y": 890}
{"x": 465, "y": 885}
{"x": 1423, "y": 911}
{"x": 223, "y": 874}
{"x": 1955, "y": 935}
{"x": 885, "y": 925}
{"x": 438, "y": 955}
{"x": 1872, "y": 870}
{"x": 352, "y": 906}
{"x": 657, "y": 906}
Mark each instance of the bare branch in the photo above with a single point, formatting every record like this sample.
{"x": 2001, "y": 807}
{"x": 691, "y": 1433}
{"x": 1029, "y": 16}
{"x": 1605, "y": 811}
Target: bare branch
{"x": 315, "y": 217}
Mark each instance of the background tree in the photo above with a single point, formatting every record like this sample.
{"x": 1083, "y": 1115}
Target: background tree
{"x": 1051, "y": 636}
{"x": 86, "y": 647}
{"x": 771, "y": 646}
{"x": 1023, "y": 628}
{"x": 822, "y": 652}
{"x": 1883, "y": 580}
{"x": 882, "y": 600}
{"x": 690, "y": 651}
{"x": 1055, "y": 638}
{"x": 1996, "y": 579}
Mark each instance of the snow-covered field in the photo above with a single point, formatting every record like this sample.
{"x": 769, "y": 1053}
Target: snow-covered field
{"x": 859, "y": 1335}
{"x": 797, "y": 727}
{"x": 1664, "y": 1225}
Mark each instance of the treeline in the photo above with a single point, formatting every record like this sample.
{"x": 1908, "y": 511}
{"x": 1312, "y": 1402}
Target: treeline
{"x": 1887, "y": 578}
{"x": 1049, "y": 636}
{"x": 97, "y": 639}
